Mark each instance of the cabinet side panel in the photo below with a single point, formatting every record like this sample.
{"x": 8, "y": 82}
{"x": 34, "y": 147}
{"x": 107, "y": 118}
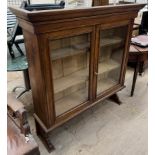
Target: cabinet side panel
{"x": 42, "y": 108}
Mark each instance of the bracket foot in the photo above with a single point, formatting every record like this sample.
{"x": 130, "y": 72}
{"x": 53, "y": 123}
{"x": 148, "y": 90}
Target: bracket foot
{"x": 115, "y": 98}
{"x": 44, "y": 137}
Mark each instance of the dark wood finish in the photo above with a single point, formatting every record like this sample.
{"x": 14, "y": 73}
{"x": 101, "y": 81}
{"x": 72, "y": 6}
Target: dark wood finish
{"x": 115, "y": 98}
{"x": 40, "y": 27}
{"x": 142, "y": 66}
{"x": 16, "y": 110}
{"x": 26, "y": 79}
{"x": 26, "y": 82}
{"x": 135, "y": 75}
{"x": 38, "y": 73}
{"x": 137, "y": 55}
{"x": 100, "y": 2}
{"x": 18, "y": 129}
{"x": 79, "y": 109}
{"x": 143, "y": 59}
{"x": 44, "y": 136}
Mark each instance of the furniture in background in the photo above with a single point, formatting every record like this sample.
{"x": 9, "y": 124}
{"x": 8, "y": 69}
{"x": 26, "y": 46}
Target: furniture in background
{"x": 143, "y": 42}
{"x": 143, "y": 29}
{"x": 141, "y": 21}
{"x": 16, "y": 62}
{"x": 16, "y": 2}
{"x": 14, "y": 34}
{"x": 77, "y": 58}
{"x": 137, "y": 55}
{"x": 140, "y": 29}
{"x": 49, "y": 6}
{"x": 12, "y": 40}
{"x": 19, "y": 63}
{"x": 14, "y": 31}
{"x": 19, "y": 138}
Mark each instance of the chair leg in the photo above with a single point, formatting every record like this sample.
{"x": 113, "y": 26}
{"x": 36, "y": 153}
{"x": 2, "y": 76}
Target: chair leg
{"x": 14, "y": 89}
{"x": 24, "y": 91}
{"x": 11, "y": 50}
{"x": 18, "y": 48}
{"x": 26, "y": 79}
{"x": 27, "y": 83}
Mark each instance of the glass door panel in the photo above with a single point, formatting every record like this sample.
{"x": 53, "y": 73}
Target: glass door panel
{"x": 70, "y": 68}
{"x": 112, "y": 44}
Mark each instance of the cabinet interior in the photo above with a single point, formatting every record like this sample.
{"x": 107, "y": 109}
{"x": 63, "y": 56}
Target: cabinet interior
{"x": 112, "y": 44}
{"x": 70, "y": 66}
{"x": 70, "y": 57}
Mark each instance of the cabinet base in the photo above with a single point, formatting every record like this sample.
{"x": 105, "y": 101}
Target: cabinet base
{"x": 44, "y": 137}
{"x": 115, "y": 98}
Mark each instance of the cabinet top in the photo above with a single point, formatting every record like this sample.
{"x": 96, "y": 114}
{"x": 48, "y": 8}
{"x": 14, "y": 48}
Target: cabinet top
{"x": 65, "y": 14}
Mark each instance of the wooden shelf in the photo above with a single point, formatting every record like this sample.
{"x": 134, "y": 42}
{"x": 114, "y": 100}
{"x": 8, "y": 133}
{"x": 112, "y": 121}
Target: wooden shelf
{"x": 110, "y": 41}
{"x": 71, "y": 101}
{"x": 69, "y": 51}
{"x": 74, "y": 99}
{"x": 107, "y": 66}
{"x": 71, "y": 80}
{"x": 105, "y": 84}
{"x": 81, "y": 76}
{"x": 81, "y": 48}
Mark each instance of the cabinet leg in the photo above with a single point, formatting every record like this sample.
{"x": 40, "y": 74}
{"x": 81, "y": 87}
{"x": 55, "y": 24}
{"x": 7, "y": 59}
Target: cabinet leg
{"x": 115, "y": 98}
{"x": 141, "y": 68}
{"x": 135, "y": 77}
{"x": 44, "y": 137}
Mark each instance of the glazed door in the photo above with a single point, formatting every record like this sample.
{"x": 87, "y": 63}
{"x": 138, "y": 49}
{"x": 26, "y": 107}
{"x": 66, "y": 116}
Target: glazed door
{"x": 70, "y": 54}
{"x": 112, "y": 43}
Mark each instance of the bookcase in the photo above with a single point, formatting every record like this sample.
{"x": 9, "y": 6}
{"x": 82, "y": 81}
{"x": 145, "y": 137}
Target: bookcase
{"x": 76, "y": 58}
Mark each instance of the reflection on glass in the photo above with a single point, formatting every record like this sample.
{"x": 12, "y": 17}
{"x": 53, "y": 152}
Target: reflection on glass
{"x": 70, "y": 67}
{"x": 112, "y": 43}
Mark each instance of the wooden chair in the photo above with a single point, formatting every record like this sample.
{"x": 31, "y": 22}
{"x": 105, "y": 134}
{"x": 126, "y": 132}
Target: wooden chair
{"x": 16, "y": 62}
{"x": 14, "y": 31}
{"x": 19, "y": 64}
{"x": 12, "y": 38}
{"x": 19, "y": 138}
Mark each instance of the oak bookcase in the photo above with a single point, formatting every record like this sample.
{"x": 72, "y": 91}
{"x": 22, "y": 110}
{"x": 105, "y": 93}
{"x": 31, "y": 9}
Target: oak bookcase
{"x": 76, "y": 58}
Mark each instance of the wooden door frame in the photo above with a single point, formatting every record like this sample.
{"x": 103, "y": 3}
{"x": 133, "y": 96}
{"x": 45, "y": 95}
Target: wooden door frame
{"x": 120, "y": 84}
{"x": 64, "y": 34}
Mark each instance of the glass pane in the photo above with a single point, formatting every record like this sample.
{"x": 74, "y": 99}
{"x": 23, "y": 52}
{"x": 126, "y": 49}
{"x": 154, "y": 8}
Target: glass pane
{"x": 70, "y": 67}
{"x": 112, "y": 44}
